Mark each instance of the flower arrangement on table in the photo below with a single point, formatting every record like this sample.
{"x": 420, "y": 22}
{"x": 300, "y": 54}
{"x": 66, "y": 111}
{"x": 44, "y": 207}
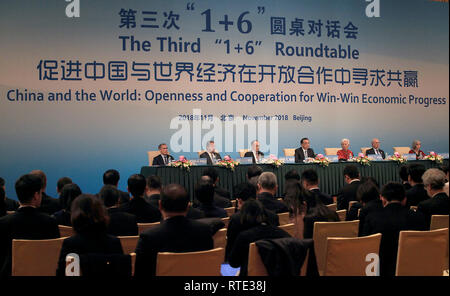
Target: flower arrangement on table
{"x": 433, "y": 156}
{"x": 321, "y": 160}
{"x": 228, "y": 163}
{"x": 273, "y": 160}
{"x": 182, "y": 163}
{"x": 362, "y": 159}
{"x": 398, "y": 158}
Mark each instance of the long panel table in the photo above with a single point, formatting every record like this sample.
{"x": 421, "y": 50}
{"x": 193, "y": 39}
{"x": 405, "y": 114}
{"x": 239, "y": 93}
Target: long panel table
{"x": 331, "y": 178}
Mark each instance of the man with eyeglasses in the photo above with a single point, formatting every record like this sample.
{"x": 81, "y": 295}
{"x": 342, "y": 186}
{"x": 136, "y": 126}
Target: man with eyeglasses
{"x": 375, "y": 149}
{"x": 164, "y": 157}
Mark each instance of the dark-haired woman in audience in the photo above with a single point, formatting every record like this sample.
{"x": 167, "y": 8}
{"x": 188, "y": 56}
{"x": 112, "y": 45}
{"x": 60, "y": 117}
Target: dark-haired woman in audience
{"x": 2, "y": 202}
{"x": 369, "y": 195}
{"x": 352, "y": 213}
{"x": 90, "y": 221}
{"x": 415, "y": 148}
{"x": 68, "y": 194}
{"x": 254, "y": 218}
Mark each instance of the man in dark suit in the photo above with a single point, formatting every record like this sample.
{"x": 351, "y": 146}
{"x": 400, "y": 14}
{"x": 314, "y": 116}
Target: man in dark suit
{"x": 120, "y": 223}
{"x": 27, "y": 222}
{"x": 112, "y": 177}
{"x": 144, "y": 212}
{"x": 403, "y": 173}
{"x": 438, "y": 203}
{"x": 304, "y": 151}
{"x": 348, "y": 192}
{"x": 164, "y": 157}
{"x": 204, "y": 192}
{"x": 11, "y": 204}
{"x": 255, "y": 153}
{"x": 175, "y": 234}
{"x": 375, "y": 149}
{"x": 389, "y": 221}
{"x": 49, "y": 205}
{"x": 267, "y": 189}
{"x": 310, "y": 181}
{"x": 417, "y": 193}
{"x": 210, "y": 154}
{"x": 221, "y": 196}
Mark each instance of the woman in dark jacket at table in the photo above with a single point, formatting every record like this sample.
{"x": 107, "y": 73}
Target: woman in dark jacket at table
{"x": 90, "y": 221}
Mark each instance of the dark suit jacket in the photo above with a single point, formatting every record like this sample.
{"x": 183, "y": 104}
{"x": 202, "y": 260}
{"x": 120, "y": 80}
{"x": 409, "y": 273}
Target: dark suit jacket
{"x": 372, "y": 151}
{"x": 369, "y": 207}
{"x": 208, "y": 159}
{"x": 144, "y": 212}
{"x": 300, "y": 156}
{"x": 98, "y": 243}
{"x": 389, "y": 221}
{"x": 212, "y": 211}
{"x": 347, "y": 194}
{"x": 325, "y": 198}
{"x": 63, "y": 218}
{"x": 176, "y": 234}
{"x": 239, "y": 253}
{"x": 250, "y": 154}
{"x": 437, "y": 205}
{"x": 271, "y": 203}
{"x": 158, "y": 160}
{"x": 25, "y": 223}
{"x": 11, "y": 204}
{"x": 219, "y": 201}
{"x": 222, "y": 192}
{"x": 153, "y": 200}
{"x": 49, "y": 204}
{"x": 416, "y": 194}
{"x": 121, "y": 223}
{"x": 352, "y": 213}
{"x": 406, "y": 185}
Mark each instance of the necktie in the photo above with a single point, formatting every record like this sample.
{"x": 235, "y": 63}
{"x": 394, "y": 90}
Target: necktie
{"x": 165, "y": 159}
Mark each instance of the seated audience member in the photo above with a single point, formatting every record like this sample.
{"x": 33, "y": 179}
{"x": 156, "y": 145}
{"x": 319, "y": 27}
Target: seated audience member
{"x": 253, "y": 215}
{"x": 375, "y": 150}
{"x": 27, "y": 222}
{"x": 90, "y": 222}
{"x": 175, "y": 234}
{"x": 153, "y": 193}
{"x": 369, "y": 195}
{"x": 348, "y": 192}
{"x": 49, "y": 205}
{"x": 204, "y": 193}
{"x": 68, "y": 194}
{"x": 211, "y": 154}
{"x": 352, "y": 213}
{"x": 438, "y": 203}
{"x": 221, "y": 196}
{"x": 267, "y": 189}
{"x": 255, "y": 154}
{"x": 445, "y": 170}
{"x": 403, "y": 173}
{"x": 112, "y": 177}
{"x": 3, "y": 211}
{"x": 345, "y": 154}
{"x": 304, "y": 152}
{"x": 415, "y": 149}
{"x": 389, "y": 221}
{"x": 417, "y": 193}
{"x": 120, "y": 223}
{"x": 11, "y": 204}
{"x": 60, "y": 184}
{"x": 164, "y": 157}
{"x": 253, "y": 173}
{"x": 290, "y": 177}
{"x": 144, "y": 212}
{"x": 310, "y": 181}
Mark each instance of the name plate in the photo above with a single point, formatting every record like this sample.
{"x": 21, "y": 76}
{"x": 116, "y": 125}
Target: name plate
{"x": 410, "y": 156}
{"x": 245, "y": 160}
{"x": 332, "y": 158}
{"x": 288, "y": 159}
{"x": 376, "y": 157}
{"x": 444, "y": 155}
{"x": 199, "y": 161}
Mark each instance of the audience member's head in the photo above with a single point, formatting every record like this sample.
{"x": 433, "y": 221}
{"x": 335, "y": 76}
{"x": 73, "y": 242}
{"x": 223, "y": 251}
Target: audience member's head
{"x": 393, "y": 192}
{"x": 29, "y": 189}
{"x": 137, "y": 185}
{"x": 267, "y": 182}
{"x": 174, "y": 200}
{"x": 253, "y": 173}
{"x": 310, "y": 179}
{"x": 444, "y": 168}
{"x": 295, "y": 198}
{"x": 350, "y": 173}
{"x": 68, "y": 194}
{"x": 415, "y": 173}
{"x": 110, "y": 196}
{"x": 370, "y": 179}
{"x": 61, "y": 183}
{"x": 41, "y": 176}
{"x": 292, "y": 175}
{"x": 111, "y": 177}
{"x": 403, "y": 172}
{"x": 243, "y": 192}
{"x": 204, "y": 191}
{"x": 367, "y": 191}
{"x": 212, "y": 173}
{"x": 434, "y": 181}
{"x": 89, "y": 215}
{"x": 154, "y": 184}
{"x": 253, "y": 214}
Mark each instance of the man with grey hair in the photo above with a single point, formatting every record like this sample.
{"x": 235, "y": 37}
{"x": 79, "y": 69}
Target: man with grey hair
{"x": 267, "y": 189}
{"x": 438, "y": 203}
{"x": 375, "y": 148}
{"x": 210, "y": 154}
{"x": 164, "y": 157}
{"x": 254, "y": 153}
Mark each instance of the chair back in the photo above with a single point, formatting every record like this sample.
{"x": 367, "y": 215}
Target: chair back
{"x": 65, "y": 231}
{"x": 129, "y": 243}
{"x": 242, "y": 152}
{"x": 332, "y": 207}
{"x": 364, "y": 149}
{"x": 151, "y": 155}
{"x": 284, "y": 218}
{"x": 289, "y": 151}
{"x": 230, "y": 211}
{"x": 144, "y": 226}
{"x": 35, "y": 257}
{"x": 401, "y": 150}
{"x": 289, "y": 228}
{"x": 255, "y": 265}
{"x": 422, "y": 253}
{"x": 351, "y": 203}
{"x": 202, "y": 263}
{"x": 438, "y": 222}
{"x": 200, "y": 152}
{"x": 342, "y": 214}
{"x": 220, "y": 238}
{"x": 413, "y": 208}
{"x": 226, "y": 221}
{"x": 10, "y": 212}
{"x": 323, "y": 230}
{"x": 349, "y": 256}
{"x": 331, "y": 151}
{"x": 233, "y": 202}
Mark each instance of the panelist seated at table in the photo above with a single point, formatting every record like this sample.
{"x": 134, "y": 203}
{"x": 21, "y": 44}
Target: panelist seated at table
{"x": 345, "y": 154}
{"x": 304, "y": 152}
{"x": 210, "y": 154}
{"x": 375, "y": 150}
{"x": 255, "y": 154}
{"x": 415, "y": 148}
{"x": 164, "y": 157}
